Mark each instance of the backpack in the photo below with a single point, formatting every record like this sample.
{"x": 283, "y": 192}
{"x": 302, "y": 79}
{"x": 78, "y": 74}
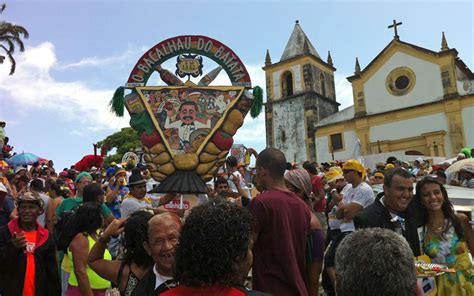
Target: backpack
{"x": 61, "y": 237}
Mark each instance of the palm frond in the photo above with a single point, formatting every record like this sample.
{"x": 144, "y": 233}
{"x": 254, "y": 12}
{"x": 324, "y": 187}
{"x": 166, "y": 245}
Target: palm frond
{"x": 11, "y": 40}
{"x": 11, "y": 29}
{"x": 21, "y": 30}
{"x": 12, "y": 60}
{"x": 11, "y": 46}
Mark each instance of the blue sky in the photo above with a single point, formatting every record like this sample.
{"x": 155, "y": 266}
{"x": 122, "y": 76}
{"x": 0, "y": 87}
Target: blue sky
{"x": 78, "y": 52}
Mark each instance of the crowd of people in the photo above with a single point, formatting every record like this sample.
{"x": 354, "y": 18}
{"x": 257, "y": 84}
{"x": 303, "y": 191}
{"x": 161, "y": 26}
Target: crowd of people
{"x": 103, "y": 231}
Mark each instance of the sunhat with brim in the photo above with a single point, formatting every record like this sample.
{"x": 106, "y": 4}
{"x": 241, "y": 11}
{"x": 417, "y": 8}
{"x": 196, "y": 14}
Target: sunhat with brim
{"x": 136, "y": 178}
{"x": 30, "y": 197}
{"x": 19, "y": 168}
{"x": 120, "y": 171}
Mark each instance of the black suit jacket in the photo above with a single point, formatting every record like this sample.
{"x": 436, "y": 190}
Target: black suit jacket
{"x": 146, "y": 287}
{"x": 376, "y": 215}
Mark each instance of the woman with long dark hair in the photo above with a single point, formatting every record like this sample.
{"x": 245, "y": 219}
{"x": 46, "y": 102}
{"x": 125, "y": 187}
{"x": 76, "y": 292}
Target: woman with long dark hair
{"x": 447, "y": 238}
{"x": 83, "y": 228}
{"x": 126, "y": 272}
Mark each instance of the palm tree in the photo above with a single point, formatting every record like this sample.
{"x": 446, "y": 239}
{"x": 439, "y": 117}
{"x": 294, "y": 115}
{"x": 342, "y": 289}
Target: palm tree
{"x": 9, "y": 37}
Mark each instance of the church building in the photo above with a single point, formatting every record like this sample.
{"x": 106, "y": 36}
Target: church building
{"x": 408, "y": 99}
{"x": 300, "y": 92}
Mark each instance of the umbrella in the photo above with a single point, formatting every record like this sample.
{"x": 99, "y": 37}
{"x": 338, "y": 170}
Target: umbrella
{"x": 456, "y": 167}
{"x": 42, "y": 160}
{"x": 23, "y": 159}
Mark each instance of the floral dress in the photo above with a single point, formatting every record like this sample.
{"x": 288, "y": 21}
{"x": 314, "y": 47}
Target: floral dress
{"x": 450, "y": 250}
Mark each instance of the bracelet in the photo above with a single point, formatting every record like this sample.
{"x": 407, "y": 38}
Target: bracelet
{"x": 334, "y": 189}
{"x": 103, "y": 239}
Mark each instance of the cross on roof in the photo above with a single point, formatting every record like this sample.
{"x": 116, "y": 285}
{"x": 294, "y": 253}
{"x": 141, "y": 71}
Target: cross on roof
{"x": 394, "y": 26}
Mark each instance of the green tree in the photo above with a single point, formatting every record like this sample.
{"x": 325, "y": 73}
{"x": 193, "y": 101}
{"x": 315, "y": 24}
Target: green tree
{"x": 10, "y": 35}
{"x": 123, "y": 141}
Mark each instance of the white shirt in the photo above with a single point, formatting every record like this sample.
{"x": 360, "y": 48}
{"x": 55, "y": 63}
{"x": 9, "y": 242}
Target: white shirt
{"x": 131, "y": 204}
{"x": 160, "y": 279}
{"x": 231, "y": 183}
{"x": 42, "y": 218}
{"x": 185, "y": 130}
{"x": 333, "y": 222}
{"x": 362, "y": 195}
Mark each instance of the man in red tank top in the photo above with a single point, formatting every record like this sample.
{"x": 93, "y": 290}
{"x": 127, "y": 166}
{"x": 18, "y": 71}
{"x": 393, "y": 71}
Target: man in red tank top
{"x": 280, "y": 227}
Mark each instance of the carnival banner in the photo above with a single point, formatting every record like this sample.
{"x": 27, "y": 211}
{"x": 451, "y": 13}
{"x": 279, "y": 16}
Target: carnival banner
{"x": 186, "y": 128}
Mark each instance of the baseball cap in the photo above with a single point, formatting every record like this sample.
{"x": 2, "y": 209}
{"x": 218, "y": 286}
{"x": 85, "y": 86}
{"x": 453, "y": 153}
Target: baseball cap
{"x": 379, "y": 174}
{"x": 82, "y": 175}
{"x": 353, "y": 164}
{"x": 333, "y": 175}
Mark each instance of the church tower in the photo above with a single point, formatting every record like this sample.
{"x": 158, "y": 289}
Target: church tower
{"x": 300, "y": 92}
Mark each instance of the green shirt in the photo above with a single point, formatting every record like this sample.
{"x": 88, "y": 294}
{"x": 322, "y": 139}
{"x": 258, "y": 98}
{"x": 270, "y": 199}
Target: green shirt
{"x": 70, "y": 203}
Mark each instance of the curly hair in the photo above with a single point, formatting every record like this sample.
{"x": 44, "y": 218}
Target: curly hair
{"x": 447, "y": 207}
{"x": 87, "y": 219}
{"x": 136, "y": 232}
{"x": 213, "y": 245}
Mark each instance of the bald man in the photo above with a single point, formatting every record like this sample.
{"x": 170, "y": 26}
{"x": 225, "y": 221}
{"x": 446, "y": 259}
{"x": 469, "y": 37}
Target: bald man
{"x": 163, "y": 234}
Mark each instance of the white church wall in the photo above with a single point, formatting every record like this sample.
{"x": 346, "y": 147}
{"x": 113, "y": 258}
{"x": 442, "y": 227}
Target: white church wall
{"x": 468, "y": 120}
{"x": 289, "y": 117}
{"x": 428, "y": 86}
{"x": 296, "y": 72}
{"x": 412, "y": 128}
{"x": 322, "y": 147}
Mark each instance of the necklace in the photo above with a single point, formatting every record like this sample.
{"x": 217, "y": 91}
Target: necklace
{"x": 437, "y": 229}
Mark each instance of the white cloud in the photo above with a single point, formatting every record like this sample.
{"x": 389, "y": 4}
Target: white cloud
{"x": 33, "y": 87}
{"x": 100, "y": 61}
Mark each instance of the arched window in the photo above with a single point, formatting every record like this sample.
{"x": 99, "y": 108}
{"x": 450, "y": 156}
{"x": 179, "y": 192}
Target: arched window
{"x": 323, "y": 84}
{"x": 287, "y": 84}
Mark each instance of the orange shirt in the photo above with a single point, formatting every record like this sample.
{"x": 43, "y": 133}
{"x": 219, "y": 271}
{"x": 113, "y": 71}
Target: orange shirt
{"x": 29, "y": 284}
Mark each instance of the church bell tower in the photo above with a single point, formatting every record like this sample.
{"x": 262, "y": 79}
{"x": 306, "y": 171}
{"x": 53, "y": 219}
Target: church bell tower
{"x": 300, "y": 92}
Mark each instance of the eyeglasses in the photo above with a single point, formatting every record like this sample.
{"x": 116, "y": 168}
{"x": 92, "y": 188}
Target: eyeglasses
{"x": 347, "y": 171}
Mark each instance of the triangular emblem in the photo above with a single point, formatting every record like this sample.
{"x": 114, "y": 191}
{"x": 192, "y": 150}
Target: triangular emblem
{"x": 186, "y": 117}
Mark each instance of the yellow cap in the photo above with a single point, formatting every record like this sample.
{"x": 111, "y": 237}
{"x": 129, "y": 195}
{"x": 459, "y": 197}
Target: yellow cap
{"x": 389, "y": 166}
{"x": 333, "y": 175}
{"x": 379, "y": 174}
{"x": 355, "y": 165}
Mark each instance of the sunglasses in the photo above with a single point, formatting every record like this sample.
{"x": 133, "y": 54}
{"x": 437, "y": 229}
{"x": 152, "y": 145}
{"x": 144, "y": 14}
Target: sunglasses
{"x": 378, "y": 177}
{"x": 347, "y": 171}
